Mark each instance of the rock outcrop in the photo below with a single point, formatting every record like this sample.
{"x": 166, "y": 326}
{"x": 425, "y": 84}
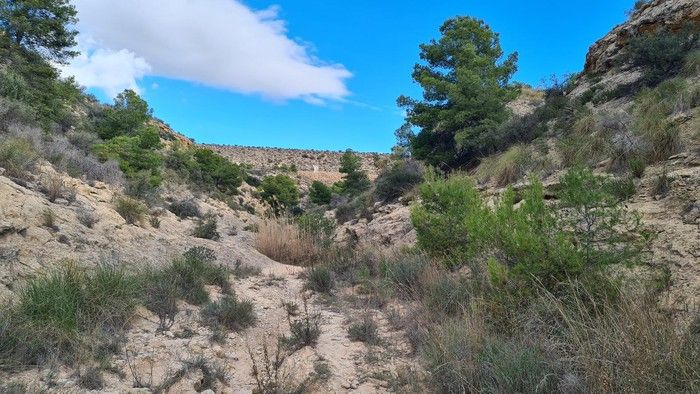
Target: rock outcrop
{"x": 656, "y": 15}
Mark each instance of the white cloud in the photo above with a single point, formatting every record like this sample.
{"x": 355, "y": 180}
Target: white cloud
{"x": 112, "y": 71}
{"x": 219, "y": 43}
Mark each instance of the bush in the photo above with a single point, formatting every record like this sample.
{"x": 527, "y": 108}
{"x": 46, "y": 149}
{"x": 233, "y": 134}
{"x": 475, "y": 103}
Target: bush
{"x": 585, "y": 232}
{"x": 365, "y": 330}
{"x": 452, "y": 222}
{"x": 133, "y": 158}
{"x": 652, "y": 110}
{"x": 405, "y": 272}
{"x": 661, "y": 53}
{"x": 316, "y": 226}
{"x": 622, "y": 189}
{"x": 319, "y": 193}
{"x": 446, "y": 294}
{"x": 398, "y": 179}
{"x": 229, "y": 312}
{"x": 195, "y": 270}
{"x": 62, "y": 314}
{"x": 304, "y": 330}
{"x": 86, "y": 217}
{"x": 206, "y": 228}
{"x": 355, "y": 180}
{"x": 280, "y": 191}
{"x": 319, "y": 279}
{"x": 132, "y": 210}
{"x": 17, "y": 156}
{"x": 160, "y": 297}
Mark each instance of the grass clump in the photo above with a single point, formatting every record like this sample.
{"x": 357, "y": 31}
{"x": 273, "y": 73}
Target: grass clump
{"x": 131, "y": 209}
{"x": 195, "y": 270}
{"x": 230, "y": 313}
{"x": 64, "y": 314}
{"x": 17, "y": 156}
{"x": 160, "y": 297}
{"x": 284, "y": 241}
{"x": 206, "y": 228}
{"x": 319, "y": 279}
{"x": 365, "y": 330}
{"x": 652, "y": 110}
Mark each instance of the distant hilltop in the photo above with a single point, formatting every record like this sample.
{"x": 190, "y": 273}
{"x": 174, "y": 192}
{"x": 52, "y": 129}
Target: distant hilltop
{"x": 306, "y": 160}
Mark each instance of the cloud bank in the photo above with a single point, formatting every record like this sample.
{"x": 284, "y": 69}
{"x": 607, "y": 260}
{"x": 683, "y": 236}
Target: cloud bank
{"x": 218, "y": 43}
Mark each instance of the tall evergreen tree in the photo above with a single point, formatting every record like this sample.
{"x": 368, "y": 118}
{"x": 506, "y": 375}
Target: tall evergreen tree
{"x": 465, "y": 80}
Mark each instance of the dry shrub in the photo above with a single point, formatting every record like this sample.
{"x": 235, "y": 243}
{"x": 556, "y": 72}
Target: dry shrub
{"x": 630, "y": 346}
{"x": 282, "y": 240}
{"x": 512, "y": 165}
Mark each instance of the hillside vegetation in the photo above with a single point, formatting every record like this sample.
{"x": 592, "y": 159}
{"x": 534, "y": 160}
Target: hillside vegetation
{"x": 515, "y": 240}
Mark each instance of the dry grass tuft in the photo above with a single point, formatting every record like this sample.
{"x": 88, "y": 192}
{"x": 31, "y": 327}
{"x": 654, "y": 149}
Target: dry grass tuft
{"x": 283, "y": 241}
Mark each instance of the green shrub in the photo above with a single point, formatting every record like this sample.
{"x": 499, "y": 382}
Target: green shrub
{"x": 355, "y": 179}
{"x": 229, "y": 312}
{"x": 691, "y": 66}
{"x": 319, "y": 193}
{"x": 128, "y": 114}
{"x": 365, "y": 330}
{"x": 652, "y": 110}
{"x": 398, "y": 179}
{"x": 185, "y": 209}
{"x": 62, "y": 313}
{"x": 206, "y": 228}
{"x": 452, "y": 222}
{"x": 623, "y": 189}
{"x": 660, "y": 54}
{"x": 318, "y": 227}
{"x": 586, "y": 231}
{"x": 359, "y": 206}
{"x": 195, "y": 270}
{"x": 17, "y": 156}
{"x": 280, "y": 191}
{"x": 132, "y": 210}
{"x": 319, "y": 279}
{"x": 132, "y": 157}
{"x": 160, "y": 297}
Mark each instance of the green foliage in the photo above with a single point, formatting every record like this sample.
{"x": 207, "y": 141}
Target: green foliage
{"x": 365, "y": 330}
{"x": 60, "y": 314}
{"x": 652, "y": 110}
{"x": 206, "y": 169}
{"x": 160, "y": 297}
{"x": 206, "y": 228}
{"x": 132, "y": 157}
{"x": 465, "y": 83}
{"x": 229, "y": 312}
{"x": 195, "y": 270}
{"x": 185, "y": 209}
{"x": 17, "y": 156}
{"x": 586, "y": 231}
{"x": 661, "y": 54}
{"x": 44, "y": 27}
{"x": 304, "y": 330}
{"x": 319, "y": 193}
{"x": 398, "y": 179}
{"x": 355, "y": 180}
{"x": 452, "y": 221}
{"x": 132, "y": 210}
{"x": 405, "y": 272}
{"x": 127, "y": 116}
{"x": 280, "y": 191}
{"x": 462, "y": 358}
{"x": 318, "y": 227}
{"x": 319, "y": 279}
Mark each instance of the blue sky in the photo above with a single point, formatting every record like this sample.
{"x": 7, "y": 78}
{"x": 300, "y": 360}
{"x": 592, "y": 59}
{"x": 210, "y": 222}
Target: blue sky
{"x": 375, "y": 41}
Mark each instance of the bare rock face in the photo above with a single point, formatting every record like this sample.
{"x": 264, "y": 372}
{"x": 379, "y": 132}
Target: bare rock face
{"x": 658, "y": 14}
{"x": 390, "y": 226}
